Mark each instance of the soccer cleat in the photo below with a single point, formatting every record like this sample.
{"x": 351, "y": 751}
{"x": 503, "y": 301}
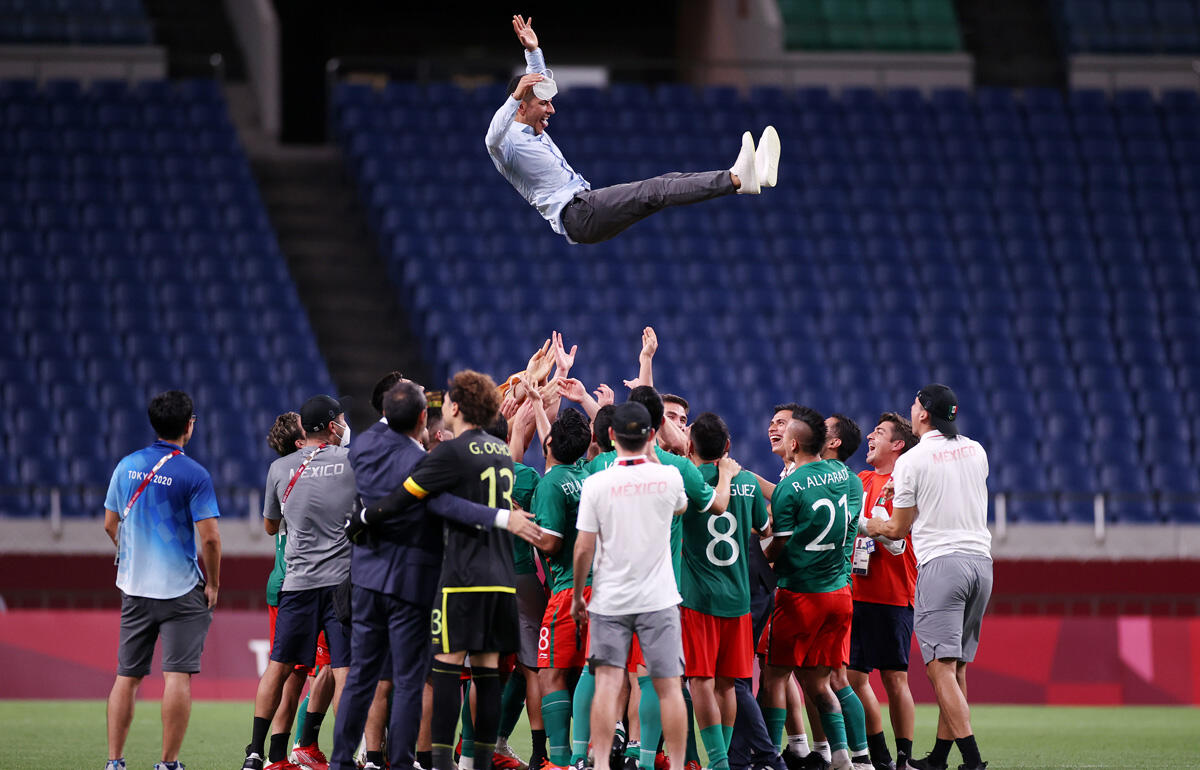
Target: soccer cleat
{"x": 310, "y": 757}
{"x": 744, "y": 167}
{"x": 883, "y": 766}
{"x": 924, "y": 764}
{"x": 630, "y": 764}
{"x": 505, "y": 762}
{"x": 373, "y": 766}
{"x": 115, "y": 764}
{"x": 505, "y": 750}
{"x": 767, "y": 157}
{"x": 176, "y": 765}
{"x": 662, "y": 761}
{"x": 283, "y": 764}
{"x": 815, "y": 761}
{"x": 861, "y": 766}
{"x": 253, "y": 762}
{"x": 980, "y": 766}
{"x": 692, "y": 765}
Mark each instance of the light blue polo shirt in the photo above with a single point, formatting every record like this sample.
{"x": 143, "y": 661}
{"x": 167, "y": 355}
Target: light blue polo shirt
{"x": 157, "y": 540}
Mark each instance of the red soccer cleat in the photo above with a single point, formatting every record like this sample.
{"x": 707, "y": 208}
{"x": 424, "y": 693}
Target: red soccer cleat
{"x": 692, "y": 765}
{"x": 310, "y": 757}
{"x": 662, "y": 761}
{"x": 283, "y": 764}
{"x": 505, "y": 762}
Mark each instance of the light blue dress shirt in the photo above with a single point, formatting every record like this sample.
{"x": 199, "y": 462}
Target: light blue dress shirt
{"x": 532, "y": 162}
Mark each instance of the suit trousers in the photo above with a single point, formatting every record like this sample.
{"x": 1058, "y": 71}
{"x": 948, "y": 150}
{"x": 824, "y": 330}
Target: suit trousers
{"x": 383, "y": 624}
{"x": 597, "y": 215}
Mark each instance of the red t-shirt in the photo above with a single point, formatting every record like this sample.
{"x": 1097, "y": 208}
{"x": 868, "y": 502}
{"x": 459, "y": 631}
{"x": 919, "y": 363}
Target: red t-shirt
{"x": 889, "y": 579}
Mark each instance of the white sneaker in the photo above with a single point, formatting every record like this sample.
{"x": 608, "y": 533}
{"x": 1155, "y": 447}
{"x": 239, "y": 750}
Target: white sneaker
{"x": 744, "y": 167}
{"x": 767, "y": 156}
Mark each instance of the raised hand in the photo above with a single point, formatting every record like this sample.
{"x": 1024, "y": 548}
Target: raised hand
{"x": 631, "y": 384}
{"x": 540, "y": 363}
{"x": 525, "y": 83}
{"x": 509, "y": 407}
{"x": 572, "y": 389}
{"x": 525, "y": 33}
{"x": 562, "y": 359}
{"x": 649, "y": 343}
{"x": 604, "y": 395}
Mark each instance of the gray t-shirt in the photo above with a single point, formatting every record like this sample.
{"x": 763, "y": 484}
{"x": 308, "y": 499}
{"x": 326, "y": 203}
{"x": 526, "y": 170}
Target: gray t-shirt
{"x": 317, "y": 552}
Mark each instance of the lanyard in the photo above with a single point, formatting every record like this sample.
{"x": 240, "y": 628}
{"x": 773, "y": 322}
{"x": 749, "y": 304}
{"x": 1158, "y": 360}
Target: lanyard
{"x": 296, "y": 476}
{"x": 157, "y": 466}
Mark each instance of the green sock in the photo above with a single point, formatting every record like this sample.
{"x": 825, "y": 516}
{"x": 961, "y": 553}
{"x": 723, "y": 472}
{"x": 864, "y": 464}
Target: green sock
{"x": 727, "y": 734}
{"x": 301, "y": 717}
{"x": 468, "y": 729}
{"x": 692, "y": 754}
{"x": 581, "y": 709}
{"x": 855, "y": 720}
{"x": 633, "y": 749}
{"x": 512, "y": 703}
{"x": 713, "y": 737}
{"x": 835, "y": 730}
{"x": 775, "y": 719}
{"x": 556, "y": 712}
{"x": 650, "y": 714}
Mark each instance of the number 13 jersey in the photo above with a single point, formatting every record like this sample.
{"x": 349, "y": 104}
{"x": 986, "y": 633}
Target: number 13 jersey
{"x": 817, "y": 507}
{"x": 476, "y": 466}
{"x": 716, "y": 569}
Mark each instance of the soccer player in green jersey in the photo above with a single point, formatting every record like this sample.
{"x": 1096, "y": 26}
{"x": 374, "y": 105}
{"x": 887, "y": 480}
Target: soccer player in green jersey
{"x": 718, "y": 641}
{"x": 816, "y": 509}
{"x": 555, "y": 506}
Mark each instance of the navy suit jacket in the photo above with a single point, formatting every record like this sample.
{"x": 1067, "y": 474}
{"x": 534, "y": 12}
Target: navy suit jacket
{"x": 403, "y": 556}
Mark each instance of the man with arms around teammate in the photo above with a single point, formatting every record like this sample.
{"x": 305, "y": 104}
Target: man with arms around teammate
{"x": 816, "y": 509}
{"x": 941, "y": 496}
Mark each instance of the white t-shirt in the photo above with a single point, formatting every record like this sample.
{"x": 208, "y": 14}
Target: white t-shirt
{"x": 947, "y": 482}
{"x": 630, "y": 508}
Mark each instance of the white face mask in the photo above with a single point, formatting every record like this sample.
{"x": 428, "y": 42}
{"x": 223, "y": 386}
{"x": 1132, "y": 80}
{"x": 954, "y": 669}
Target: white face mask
{"x": 344, "y": 441}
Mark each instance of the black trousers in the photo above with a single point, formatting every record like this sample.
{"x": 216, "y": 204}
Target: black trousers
{"x": 597, "y": 215}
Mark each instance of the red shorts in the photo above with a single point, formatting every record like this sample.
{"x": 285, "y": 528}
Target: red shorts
{"x": 322, "y": 658}
{"x": 558, "y": 644}
{"x": 808, "y": 629}
{"x": 715, "y": 646}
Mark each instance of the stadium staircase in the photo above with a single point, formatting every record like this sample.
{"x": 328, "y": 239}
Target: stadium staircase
{"x": 342, "y": 281}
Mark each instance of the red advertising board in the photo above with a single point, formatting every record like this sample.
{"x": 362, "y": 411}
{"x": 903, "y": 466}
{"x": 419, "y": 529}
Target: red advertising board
{"x": 1035, "y": 659}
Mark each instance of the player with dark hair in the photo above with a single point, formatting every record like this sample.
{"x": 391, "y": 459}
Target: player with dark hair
{"x": 158, "y": 501}
{"x": 555, "y": 507}
{"x": 475, "y": 607}
{"x": 718, "y": 641}
{"x": 816, "y": 509}
{"x": 843, "y": 437}
{"x": 675, "y": 409}
{"x": 600, "y": 425}
{"x": 529, "y": 159}
{"x": 884, "y": 586}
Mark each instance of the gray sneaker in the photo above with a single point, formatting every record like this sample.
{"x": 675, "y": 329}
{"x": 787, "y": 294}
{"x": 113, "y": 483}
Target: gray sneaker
{"x": 115, "y": 764}
{"x": 176, "y": 765}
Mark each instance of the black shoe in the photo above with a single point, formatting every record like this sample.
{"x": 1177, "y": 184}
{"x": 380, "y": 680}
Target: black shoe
{"x": 980, "y": 766}
{"x": 793, "y": 761}
{"x": 884, "y": 765}
{"x": 925, "y": 764}
{"x": 253, "y": 761}
{"x": 815, "y": 761}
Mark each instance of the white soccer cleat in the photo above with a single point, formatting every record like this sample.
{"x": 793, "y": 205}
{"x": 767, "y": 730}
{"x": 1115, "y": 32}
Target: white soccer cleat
{"x": 744, "y": 167}
{"x": 767, "y": 155}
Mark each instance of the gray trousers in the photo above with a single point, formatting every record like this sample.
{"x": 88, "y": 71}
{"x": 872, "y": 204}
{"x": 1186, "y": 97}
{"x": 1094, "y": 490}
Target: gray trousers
{"x": 597, "y": 215}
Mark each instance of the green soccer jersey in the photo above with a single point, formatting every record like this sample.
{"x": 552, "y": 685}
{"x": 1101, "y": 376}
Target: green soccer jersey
{"x": 555, "y": 508}
{"x": 716, "y": 570}
{"x": 817, "y": 507}
{"x": 525, "y": 480}
{"x": 699, "y": 494}
{"x": 275, "y": 579}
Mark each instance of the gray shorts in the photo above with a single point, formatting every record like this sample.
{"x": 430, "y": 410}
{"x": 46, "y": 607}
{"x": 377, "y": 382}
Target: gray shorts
{"x": 531, "y": 606}
{"x": 658, "y": 634}
{"x": 952, "y": 594}
{"x": 182, "y": 623}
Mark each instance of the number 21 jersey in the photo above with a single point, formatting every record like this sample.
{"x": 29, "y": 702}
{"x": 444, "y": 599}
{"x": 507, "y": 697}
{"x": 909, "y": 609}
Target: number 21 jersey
{"x": 476, "y": 466}
{"x": 817, "y": 507}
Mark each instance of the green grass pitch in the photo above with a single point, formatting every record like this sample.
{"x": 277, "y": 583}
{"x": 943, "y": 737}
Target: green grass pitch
{"x": 71, "y": 734}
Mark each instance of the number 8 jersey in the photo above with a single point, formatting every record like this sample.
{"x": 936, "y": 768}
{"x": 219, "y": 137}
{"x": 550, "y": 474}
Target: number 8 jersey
{"x": 817, "y": 507}
{"x": 476, "y": 466}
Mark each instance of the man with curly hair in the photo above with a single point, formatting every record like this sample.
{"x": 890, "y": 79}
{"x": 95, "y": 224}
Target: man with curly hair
{"x": 475, "y": 608}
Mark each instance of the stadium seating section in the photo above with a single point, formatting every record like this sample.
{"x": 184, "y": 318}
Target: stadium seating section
{"x": 887, "y": 25}
{"x": 78, "y": 22}
{"x": 1036, "y": 251}
{"x": 1129, "y": 26}
{"x": 136, "y": 256}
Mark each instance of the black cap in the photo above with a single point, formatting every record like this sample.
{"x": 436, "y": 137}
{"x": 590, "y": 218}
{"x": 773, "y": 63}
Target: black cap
{"x": 318, "y": 412}
{"x": 942, "y": 405}
{"x": 631, "y": 420}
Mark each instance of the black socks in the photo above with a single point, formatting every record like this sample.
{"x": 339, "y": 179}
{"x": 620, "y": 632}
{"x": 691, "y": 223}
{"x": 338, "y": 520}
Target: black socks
{"x": 312, "y": 728}
{"x": 279, "y": 748}
{"x": 969, "y": 750}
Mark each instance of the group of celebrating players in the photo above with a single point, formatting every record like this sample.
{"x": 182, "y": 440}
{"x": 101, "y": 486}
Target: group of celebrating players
{"x": 498, "y": 572}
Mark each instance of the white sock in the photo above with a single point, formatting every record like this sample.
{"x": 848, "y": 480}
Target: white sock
{"x": 466, "y": 763}
{"x": 798, "y": 745}
{"x": 840, "y": 760}
{"x": 822, "y": 748}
